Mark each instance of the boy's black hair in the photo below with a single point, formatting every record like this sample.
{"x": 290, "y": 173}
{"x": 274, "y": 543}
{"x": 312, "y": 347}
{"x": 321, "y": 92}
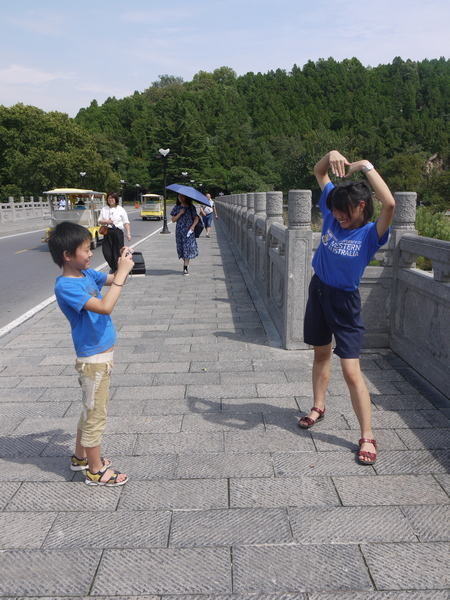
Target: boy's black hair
{"x": 348, "y": 195}
{"x": 66, "y": 237}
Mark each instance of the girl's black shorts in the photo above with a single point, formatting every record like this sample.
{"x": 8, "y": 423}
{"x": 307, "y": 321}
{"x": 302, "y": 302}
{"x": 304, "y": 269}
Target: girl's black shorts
{"x": 332, "y": 311}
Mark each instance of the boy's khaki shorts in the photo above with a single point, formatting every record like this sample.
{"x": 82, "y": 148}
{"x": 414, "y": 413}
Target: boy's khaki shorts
{"x": 95, "y": 375}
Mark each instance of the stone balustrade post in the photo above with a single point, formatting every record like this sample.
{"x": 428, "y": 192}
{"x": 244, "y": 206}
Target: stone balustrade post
{"x": 299, "y": 246}
{"x": 404, "y": 222}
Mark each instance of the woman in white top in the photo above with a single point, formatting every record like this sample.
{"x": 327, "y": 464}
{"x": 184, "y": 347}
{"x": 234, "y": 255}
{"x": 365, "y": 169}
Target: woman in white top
{"x": 116, "y": 218}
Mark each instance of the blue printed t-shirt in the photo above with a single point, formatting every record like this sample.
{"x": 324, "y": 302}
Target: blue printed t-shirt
{"x": 343, "y": 255}
{"x": 92, "y": 333}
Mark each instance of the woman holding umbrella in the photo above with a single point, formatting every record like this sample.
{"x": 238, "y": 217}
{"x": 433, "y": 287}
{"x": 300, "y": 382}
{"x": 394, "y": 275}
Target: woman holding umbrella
{"x": 186, "y": 218}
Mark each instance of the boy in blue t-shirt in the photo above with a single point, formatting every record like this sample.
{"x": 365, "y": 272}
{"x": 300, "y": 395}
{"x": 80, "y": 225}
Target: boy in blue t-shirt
{"x": 348, "y": 243}
{"x": 78, "y": 294}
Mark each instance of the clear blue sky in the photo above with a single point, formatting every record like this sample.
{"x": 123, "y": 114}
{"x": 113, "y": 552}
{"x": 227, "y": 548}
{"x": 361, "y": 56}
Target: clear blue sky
{"x": 60, "y": 55}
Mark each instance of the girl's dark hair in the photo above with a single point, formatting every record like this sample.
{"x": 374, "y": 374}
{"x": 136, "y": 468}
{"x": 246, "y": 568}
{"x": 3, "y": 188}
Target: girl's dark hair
{"x": 114, "y": 195}
{"x": 66, "y": 237}
{"x": 186, "y": 199}
{"x": 348, "y": 195}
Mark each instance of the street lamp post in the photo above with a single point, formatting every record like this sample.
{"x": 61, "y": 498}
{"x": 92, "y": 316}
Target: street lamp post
{"x": 82, "y": 176}
{"x": 122, "y": 183}
{"x": 164, "y": 154}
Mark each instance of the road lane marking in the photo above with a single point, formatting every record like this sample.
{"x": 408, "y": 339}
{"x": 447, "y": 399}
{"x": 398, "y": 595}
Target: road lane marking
{"x": 30, "y": 313}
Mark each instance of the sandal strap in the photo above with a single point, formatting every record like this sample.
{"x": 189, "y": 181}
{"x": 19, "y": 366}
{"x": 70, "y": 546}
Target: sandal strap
{"x": 319, "y": 410}
{"x": 369, "y": 455}
{"x": 368, "y": 441}
{"x": 308, "y": 420}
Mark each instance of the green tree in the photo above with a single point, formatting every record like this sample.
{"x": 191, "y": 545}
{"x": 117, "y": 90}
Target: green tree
{"x": 39, "y": 151}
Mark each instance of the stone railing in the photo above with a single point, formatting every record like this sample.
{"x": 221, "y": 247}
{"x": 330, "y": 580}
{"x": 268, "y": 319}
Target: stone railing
{"x": 24, "y": 209}
{"x": 403, "y": 308}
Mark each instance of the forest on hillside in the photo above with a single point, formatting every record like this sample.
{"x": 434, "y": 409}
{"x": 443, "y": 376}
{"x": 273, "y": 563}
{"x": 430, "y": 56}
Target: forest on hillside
{"x": 254, "y": 132}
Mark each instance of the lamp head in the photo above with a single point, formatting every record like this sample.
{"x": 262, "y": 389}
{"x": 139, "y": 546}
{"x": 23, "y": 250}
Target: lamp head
{"x": 164, "y": 152}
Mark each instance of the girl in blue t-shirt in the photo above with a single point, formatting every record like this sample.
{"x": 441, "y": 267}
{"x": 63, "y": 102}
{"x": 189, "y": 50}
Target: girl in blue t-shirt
{"x": 349, "y": 241}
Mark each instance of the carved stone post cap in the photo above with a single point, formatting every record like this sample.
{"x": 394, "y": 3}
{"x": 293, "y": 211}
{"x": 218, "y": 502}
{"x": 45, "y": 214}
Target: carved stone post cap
{"x": 299, "y": 208}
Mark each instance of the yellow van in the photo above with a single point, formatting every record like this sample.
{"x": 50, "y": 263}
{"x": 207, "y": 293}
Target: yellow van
{"x": 152, "y": 207}
{"x": 79, "y": 206}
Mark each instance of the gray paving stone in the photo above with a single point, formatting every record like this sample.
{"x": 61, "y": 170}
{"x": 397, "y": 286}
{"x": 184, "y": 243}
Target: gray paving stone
{"x": 190, "y": 379}
{"x": 47, "y": 425}
{"x": 174, "y": 495}
{"x": 269, "y": 390}
{"x": 21, "y": 395}
{"x": 267, "y": 441}
{"x": 298, "y": 596}
{"x": 7, "y": 383}
{"x": 330, "y": 441}
{"x": 123, "y": 529}
{"x": 156, "y": 366}
{"x": 246, "y": 377}
{"x": 430, "y": 523}
{"x": 399, "y": 566}
{"x": 256, "y": 405}
{"x": 313, "y": 464}
{"x": 416, "y": 439}
{"x": 181, "y": 406}
{"x": 47, "y": 381}
{"x": 177, "y": 443}
{"x": 144, "y": 424}
{"x": 235, "y": 366}
{"x": 23, "y": 445}
{"x": 413, "y": 461}
{"x": 222, "y": 422}
{"x": 390, "y": 490}
{"x": 23, "y": 575}
{"x": 247, "y": 390}
{"x": 387, "y": 419}
{"x": 192, "y": 466}
{"x": 397, "y": 595}
{"x": 27, "y": 370}
{"x": 63, "y": 496}
{"x": 112, "y": 444}
{"x": 34, "y": 409}
{"x": 7, "y": 491}
{"x": 164, "y": 571}
{"x": 444, "y": 481}
{"x": 350, "y": 525}
{"x": 169, "y": 392}
{"x": 396, "y": 402}
{"x": 24, "y": 530}
{"x": 289, "y": 421}
{"x": 34, "y": 469}
{"x": 300, "y": 491}
{"x": 232, "y": 527}
{"x": 310, "y": 568}
{"x": 58, "y": 394}
{"x": 437, "y": 418}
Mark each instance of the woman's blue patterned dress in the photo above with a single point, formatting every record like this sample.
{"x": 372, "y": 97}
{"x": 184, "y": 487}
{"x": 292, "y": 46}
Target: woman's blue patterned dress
{"x": 186, "y": 246}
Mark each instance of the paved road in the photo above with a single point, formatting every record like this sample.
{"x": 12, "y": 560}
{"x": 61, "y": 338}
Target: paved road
{"x": 27, "y": 272}
{"x": 227, "y": 498}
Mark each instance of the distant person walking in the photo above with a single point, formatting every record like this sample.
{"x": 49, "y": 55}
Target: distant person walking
{"x": 115, "y": 217}
{"x": 349, "y": 241}
{"x": 207, "y": 214}
{"x": 186, "y": 218}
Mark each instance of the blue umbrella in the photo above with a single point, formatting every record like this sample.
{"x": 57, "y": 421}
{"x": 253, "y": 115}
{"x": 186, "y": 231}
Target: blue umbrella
{"x": 189, "y": 192}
